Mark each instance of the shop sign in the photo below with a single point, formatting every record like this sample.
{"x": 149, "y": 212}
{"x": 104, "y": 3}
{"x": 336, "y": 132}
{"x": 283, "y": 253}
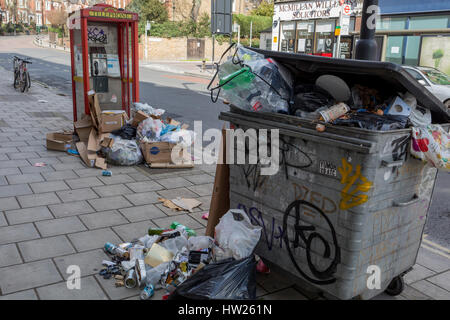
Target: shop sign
{"x": 313, "y": 9}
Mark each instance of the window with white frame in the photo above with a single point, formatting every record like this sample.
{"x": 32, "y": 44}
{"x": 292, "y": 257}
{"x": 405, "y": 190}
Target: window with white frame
{"x": 38, "y": 5}
{"x": 48, "y": 5}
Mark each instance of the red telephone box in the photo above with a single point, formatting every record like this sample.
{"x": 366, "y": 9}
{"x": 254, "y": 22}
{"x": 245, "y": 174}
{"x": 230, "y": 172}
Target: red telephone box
{"x": 104, "y": 57}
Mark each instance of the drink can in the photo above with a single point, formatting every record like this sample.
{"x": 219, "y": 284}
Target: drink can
{"x": 148, "y": 292}
{"x": 130, "y": 280}
{"x": 121, "y": 253}
{"x": 110, "y": 248}
{"x": 106, "y": 173}
{"x": 334, "y": 112}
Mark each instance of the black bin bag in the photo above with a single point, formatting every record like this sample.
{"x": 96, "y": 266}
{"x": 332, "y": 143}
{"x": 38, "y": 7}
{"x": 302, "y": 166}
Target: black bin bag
{"x": 227, "y": 279}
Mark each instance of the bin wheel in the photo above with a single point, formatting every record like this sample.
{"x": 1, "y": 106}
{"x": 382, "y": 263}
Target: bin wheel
{"x": 396, "y": 286}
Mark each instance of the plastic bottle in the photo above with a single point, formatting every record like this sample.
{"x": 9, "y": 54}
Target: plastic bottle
{"x": 147, "y": 293}
{"x": 177, "y": 225}
{"x": 154, "y": 275}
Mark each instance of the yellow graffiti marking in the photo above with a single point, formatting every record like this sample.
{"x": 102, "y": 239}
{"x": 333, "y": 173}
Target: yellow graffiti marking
{"x": 350, "y": 199}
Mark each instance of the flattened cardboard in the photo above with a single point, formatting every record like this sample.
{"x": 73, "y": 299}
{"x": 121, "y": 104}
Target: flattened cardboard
{"x": 220, "y": 199}
{"x": 186, "y": 203}
{"x": 172, "y": 121}
{"x": 82, "y": 150}
{"x": 94, "y": 108}
{"x": 94, "y": 141}
{"x": 83, "y": 128}
{"x": 59, "y": 141}
{"x": 138, "y": 118}
{"x": 100, "y": 163}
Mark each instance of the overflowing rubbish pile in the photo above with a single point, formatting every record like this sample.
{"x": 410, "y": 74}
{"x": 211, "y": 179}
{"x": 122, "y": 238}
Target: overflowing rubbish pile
{"x": 109, "y": 136}
{"x": 187, "y": 265}
{"x": 254, "y": 83}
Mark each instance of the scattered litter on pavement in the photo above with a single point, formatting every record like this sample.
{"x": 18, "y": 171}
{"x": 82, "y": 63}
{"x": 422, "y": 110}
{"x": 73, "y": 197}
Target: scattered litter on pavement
{"x": 106, "y": 173}
{"x": 42, "y": 101}
{"x": 180, "y": 204}
{"x": 108, "y": 136}
{"x": 40, "y": 164}
{"x": 73, "y": 152}
{"x": 205, "y": 216}
{"x": 185, "y": 265}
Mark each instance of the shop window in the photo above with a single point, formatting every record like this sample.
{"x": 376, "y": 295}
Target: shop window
{"x": 427, "y": 22}
{"x": 394, "y": 49}
{"x": 412, "y": 50}
{"x": 390, "y": 23}
{"x": 288, "y": 36}
{"x": 305, "y": 37}
{"x": 325, "y": 37}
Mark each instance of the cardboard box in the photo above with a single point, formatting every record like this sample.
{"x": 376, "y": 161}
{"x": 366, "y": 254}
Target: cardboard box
{"x": 107, "y": 142}
{"x": 106, "y": 120}
{"x": 157, "y": 152}
{"x": 111, "y": 120}
{"x": 60, "y": 141}
{"x": 138, "y": 118}
{"x": 83, "y": 128}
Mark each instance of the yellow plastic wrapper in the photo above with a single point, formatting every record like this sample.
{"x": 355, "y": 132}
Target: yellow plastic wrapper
{"x": 158, "y": 255}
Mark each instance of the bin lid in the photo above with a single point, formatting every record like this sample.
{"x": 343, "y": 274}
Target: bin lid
{"x": 387, "y": 74}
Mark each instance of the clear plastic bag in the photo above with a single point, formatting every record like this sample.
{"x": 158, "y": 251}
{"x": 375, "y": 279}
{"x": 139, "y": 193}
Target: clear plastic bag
{"x": 251, "y": 82}
{"x": 228, "y": 279}
{"x": 154, "y": 275}
{"x": 148, "y": 109}
{"x": 124, "y": 152}
{"x": 200, "y": 242}
{"x": 175, "y": 245}
{"x": 236, "y": 235}
{"x": 150, "y": 129}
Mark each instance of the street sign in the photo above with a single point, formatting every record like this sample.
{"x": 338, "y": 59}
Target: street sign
{"x": 347, "y": 10}
{"x": 148, "y": 26}
{"x": 345, "y": 25}
{"x": 221, "y": 17}
{"x": 337, "y": 31}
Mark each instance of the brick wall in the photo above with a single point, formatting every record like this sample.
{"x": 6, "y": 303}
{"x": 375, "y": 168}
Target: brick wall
{"x": 176, "y": 49}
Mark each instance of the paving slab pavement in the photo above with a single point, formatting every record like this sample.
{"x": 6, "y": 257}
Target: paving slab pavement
{"x": 62, "y": 214}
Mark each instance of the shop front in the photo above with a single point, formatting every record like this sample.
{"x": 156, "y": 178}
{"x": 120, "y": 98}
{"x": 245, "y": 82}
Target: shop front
{"x": 309, "y": 27}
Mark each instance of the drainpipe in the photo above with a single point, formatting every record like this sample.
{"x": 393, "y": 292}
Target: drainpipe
{"x": 366, "y": 48}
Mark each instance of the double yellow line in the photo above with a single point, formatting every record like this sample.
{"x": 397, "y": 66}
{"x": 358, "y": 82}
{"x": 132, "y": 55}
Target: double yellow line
{"x": 434, "y": 247}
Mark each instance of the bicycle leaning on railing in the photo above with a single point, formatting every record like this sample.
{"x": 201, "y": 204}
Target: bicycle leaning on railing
{"x": 21, "y": 76}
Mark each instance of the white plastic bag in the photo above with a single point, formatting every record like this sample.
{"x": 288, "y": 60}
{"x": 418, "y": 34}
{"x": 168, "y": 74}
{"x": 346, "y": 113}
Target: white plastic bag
{"x": 432, "y": 145}
{"x": 236, "y": 235}
{"x": 200, "y": 242}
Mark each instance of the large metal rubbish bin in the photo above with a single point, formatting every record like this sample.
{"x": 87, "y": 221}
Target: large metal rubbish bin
{"x": 344, "y": 199}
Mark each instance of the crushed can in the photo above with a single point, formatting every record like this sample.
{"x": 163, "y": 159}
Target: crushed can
{"x": 148, "y": 292}
{"x": 130, "y": 280}
{"x": 106, "y": 173}
{"x": 115, "y": 250}
{"x": 141, "y": 273}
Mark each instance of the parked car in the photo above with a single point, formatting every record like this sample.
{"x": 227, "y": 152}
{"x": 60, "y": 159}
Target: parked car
{"x": 434, "y": 80}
